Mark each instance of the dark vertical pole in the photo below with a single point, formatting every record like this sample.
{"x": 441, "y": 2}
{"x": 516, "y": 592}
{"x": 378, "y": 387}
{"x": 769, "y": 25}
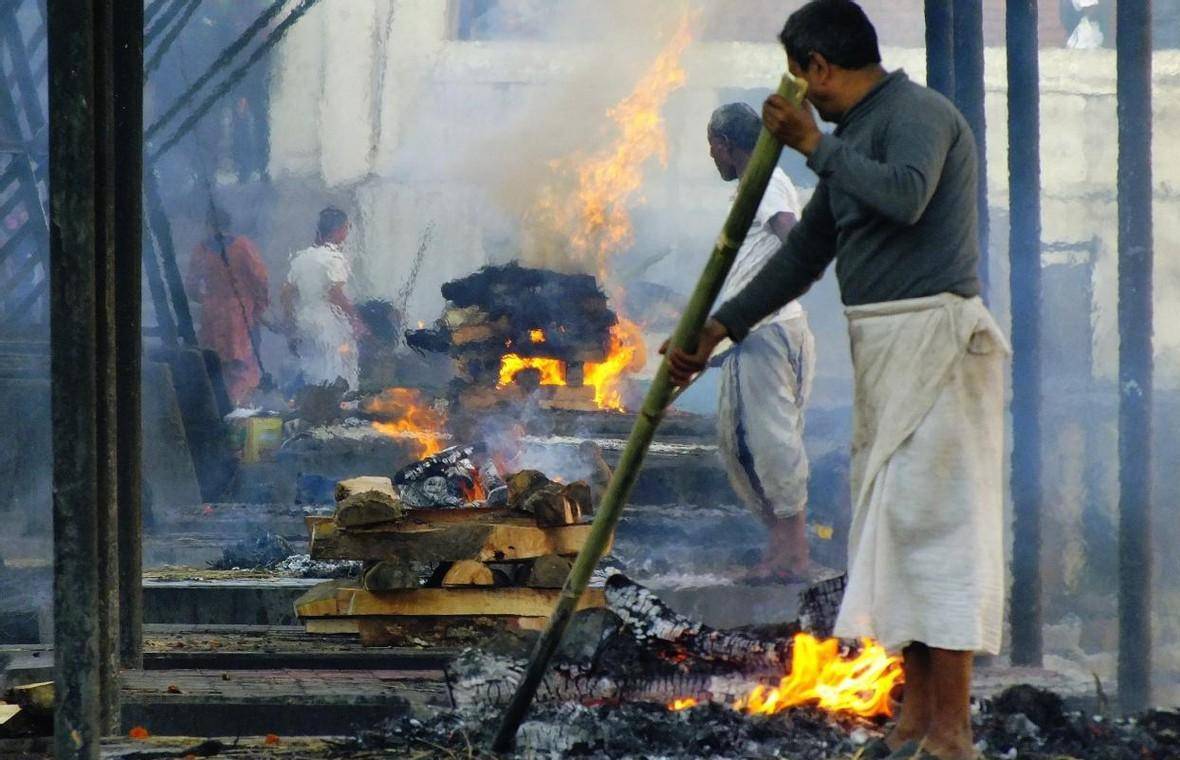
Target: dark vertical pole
{"x": 128, "y": 101}
{"x": 969, "y": 97}
{"x": 72, "y": 145}
{"x": 105, "y": 411}
{"x": 1135, "y": 359}
{"x": 1024, "y": 251}
{"x": 940, "y": 46}
{"x": 161, "y": 229}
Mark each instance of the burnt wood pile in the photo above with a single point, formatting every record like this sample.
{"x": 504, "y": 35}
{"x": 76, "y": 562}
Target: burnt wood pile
{"x": 446, "y": 546}
{"x": 529, "y": 314}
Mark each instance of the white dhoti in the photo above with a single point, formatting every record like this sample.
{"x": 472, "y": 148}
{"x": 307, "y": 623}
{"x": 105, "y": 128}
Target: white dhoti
{"x": 764, "y": 385}
{"x": 926, "y": 545}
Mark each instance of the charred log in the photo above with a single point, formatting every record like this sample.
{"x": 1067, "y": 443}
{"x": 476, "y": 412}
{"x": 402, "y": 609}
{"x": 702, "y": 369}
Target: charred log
{"x": 652, "y": 622}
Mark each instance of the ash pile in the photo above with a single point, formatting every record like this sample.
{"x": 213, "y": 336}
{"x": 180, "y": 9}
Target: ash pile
{"x": 517, "y": 333}
{"x": 656, "y": 684}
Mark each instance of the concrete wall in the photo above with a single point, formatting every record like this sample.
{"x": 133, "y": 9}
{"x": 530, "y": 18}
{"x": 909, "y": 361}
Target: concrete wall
{"x": 372, "y": 100}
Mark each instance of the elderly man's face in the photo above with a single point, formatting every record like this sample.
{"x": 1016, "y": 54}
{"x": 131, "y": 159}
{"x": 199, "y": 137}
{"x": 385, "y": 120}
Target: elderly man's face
{"x": 719, "y": 150}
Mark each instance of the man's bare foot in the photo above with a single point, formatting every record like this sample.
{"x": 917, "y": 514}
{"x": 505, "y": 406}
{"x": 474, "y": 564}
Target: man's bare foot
{"x": 957, "y": 745}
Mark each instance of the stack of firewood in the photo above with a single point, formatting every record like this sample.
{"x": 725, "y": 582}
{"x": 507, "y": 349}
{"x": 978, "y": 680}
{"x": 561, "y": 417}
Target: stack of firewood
{"x": 525, "y": 312}
{"x": 430, "y": 570}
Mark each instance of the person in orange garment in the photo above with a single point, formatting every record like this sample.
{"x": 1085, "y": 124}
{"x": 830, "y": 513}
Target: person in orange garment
{"x": 228, "y": 279}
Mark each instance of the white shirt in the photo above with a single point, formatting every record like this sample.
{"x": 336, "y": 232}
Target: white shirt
{"x": 761, "y": 243}
{"x": 327, "y": 346}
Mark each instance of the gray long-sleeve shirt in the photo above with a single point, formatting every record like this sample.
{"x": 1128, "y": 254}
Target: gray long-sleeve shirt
{"x": 895, "y": 207}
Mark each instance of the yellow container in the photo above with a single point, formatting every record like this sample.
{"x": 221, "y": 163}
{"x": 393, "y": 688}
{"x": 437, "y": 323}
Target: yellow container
{"x": 262, "y": 435}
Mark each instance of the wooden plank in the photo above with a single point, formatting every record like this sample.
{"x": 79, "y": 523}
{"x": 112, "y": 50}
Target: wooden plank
{"x": 332, "y": 626}
{"x": 496, "y": 542}
{"x": 442, "y": 632}
{"x": 381, "y": 484}
{"x": 514, "y": 602}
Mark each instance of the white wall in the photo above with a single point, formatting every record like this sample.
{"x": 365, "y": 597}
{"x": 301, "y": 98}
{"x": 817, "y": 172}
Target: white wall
{"x": 372, "y": 101}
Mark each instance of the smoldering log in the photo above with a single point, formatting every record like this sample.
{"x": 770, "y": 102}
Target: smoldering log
{"x": 652, "y": 622}
{"x": 551, "y": 503}
{"x": 346, "y": 488}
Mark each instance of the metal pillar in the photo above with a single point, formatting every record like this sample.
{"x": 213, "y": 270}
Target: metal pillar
{"x": 969, "y": 97}
{"x": 128, "y": 102}
{"x": 940, "y": 46}
{"x": 1135, "y": 358}
{"x": 1024, "y": 251}
{"x": 73, "y": 360}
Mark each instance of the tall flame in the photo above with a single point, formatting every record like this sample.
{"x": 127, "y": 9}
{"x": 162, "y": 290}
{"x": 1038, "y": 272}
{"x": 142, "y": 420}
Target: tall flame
{"x": 594, "y": 224}
{"x": 819, "y": 676}
{"x": 409, "y": 416}
{"x": 628, "y": 353}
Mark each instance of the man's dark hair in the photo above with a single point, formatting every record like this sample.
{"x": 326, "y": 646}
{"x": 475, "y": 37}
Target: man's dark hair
{"x": 838, "y": 30}
{"x": 737, "y": 123}
{"x": 331, "y": 219}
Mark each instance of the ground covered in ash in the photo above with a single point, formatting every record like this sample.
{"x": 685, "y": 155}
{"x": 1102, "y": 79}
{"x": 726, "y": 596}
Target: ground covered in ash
{"x": 1023, "y": 722}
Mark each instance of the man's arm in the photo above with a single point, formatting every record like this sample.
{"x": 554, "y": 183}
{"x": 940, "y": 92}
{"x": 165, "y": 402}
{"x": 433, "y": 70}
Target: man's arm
{"x": 901, "y": 186}
{"x": 809, "y": 247}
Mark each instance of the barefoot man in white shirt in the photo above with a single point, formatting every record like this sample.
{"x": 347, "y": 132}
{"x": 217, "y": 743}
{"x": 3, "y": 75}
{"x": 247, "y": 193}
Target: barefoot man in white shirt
{"x": 766, "y": 378}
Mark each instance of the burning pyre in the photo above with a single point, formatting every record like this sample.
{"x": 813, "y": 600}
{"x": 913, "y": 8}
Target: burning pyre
{"x": 516, "y": 333}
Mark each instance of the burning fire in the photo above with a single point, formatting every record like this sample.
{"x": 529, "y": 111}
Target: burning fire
{"x": 476, "y": 491}
{"x": 537, "y": 336}
{"x": 592, "y": 219}
{"x": 628, "y": 353}
{"x": 819, "y": 676}
{"x": 409, "y": 417}
{"x": 676, "y": 705}
{"x": 511, "y": 365}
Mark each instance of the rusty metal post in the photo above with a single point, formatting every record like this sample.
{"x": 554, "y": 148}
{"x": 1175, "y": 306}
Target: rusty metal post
{"x": 72, "y": 146}
{"x": 940, "y": 46}
{"x": 128, "y": 102}
{"x": 1135, "y": 358}
{"x": 1024, "y": 252}
{"x": 969, "y": 97}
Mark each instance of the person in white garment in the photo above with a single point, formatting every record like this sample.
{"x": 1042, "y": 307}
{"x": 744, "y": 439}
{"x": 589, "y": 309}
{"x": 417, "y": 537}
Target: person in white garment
{"x": 766, "y": 378}
{"x": 895, "y": 210}
{"x": 321, "y": 317}
{"x": 1087, "y": 35}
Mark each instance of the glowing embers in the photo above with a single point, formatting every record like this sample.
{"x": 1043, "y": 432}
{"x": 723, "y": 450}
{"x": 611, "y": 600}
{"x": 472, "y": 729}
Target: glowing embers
{"x": 405, "y": 414}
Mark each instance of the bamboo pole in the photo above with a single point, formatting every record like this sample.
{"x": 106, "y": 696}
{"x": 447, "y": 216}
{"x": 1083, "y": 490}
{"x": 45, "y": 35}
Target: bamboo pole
{"x": 753, "y": 186}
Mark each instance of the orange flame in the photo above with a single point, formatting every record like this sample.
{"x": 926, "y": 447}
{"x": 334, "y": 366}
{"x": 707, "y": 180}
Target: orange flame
{"x": 627, "y": 353}
{"x": 476, "y": 491}
{"x": 819, "y": 676}
{"x": 676, "y": 705}
{"x": 594, "y": 222}
{"x": 552, "y": 370}
{"x": 409, "y": 417}
{"x": 537, "y": 336}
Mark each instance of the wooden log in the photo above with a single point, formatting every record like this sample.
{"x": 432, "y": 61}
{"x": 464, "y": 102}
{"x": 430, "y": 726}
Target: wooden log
{"x": 453, "y": 631}
{"x": 34, "y": 696}
{"x": 331, "y": 627}
{"x": 323, "y": 600}
{"x": 553, "y": 506}
{"x": 381, "y": 484}
{"x": 653, "y": 623}
{"x": 513, "y": 602}
{"x": 508, "y": 539}
{"x": 368, "y": 508}
{"x": 478, "y": 333}
{"x": 468, "y": 572}
{"x": 521, "y": 484}
{"x": 549, "y": 571}
{"x": 390, "y": 574}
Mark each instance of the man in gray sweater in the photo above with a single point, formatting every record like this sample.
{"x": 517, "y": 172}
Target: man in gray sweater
{"x": 896, "y": 209}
